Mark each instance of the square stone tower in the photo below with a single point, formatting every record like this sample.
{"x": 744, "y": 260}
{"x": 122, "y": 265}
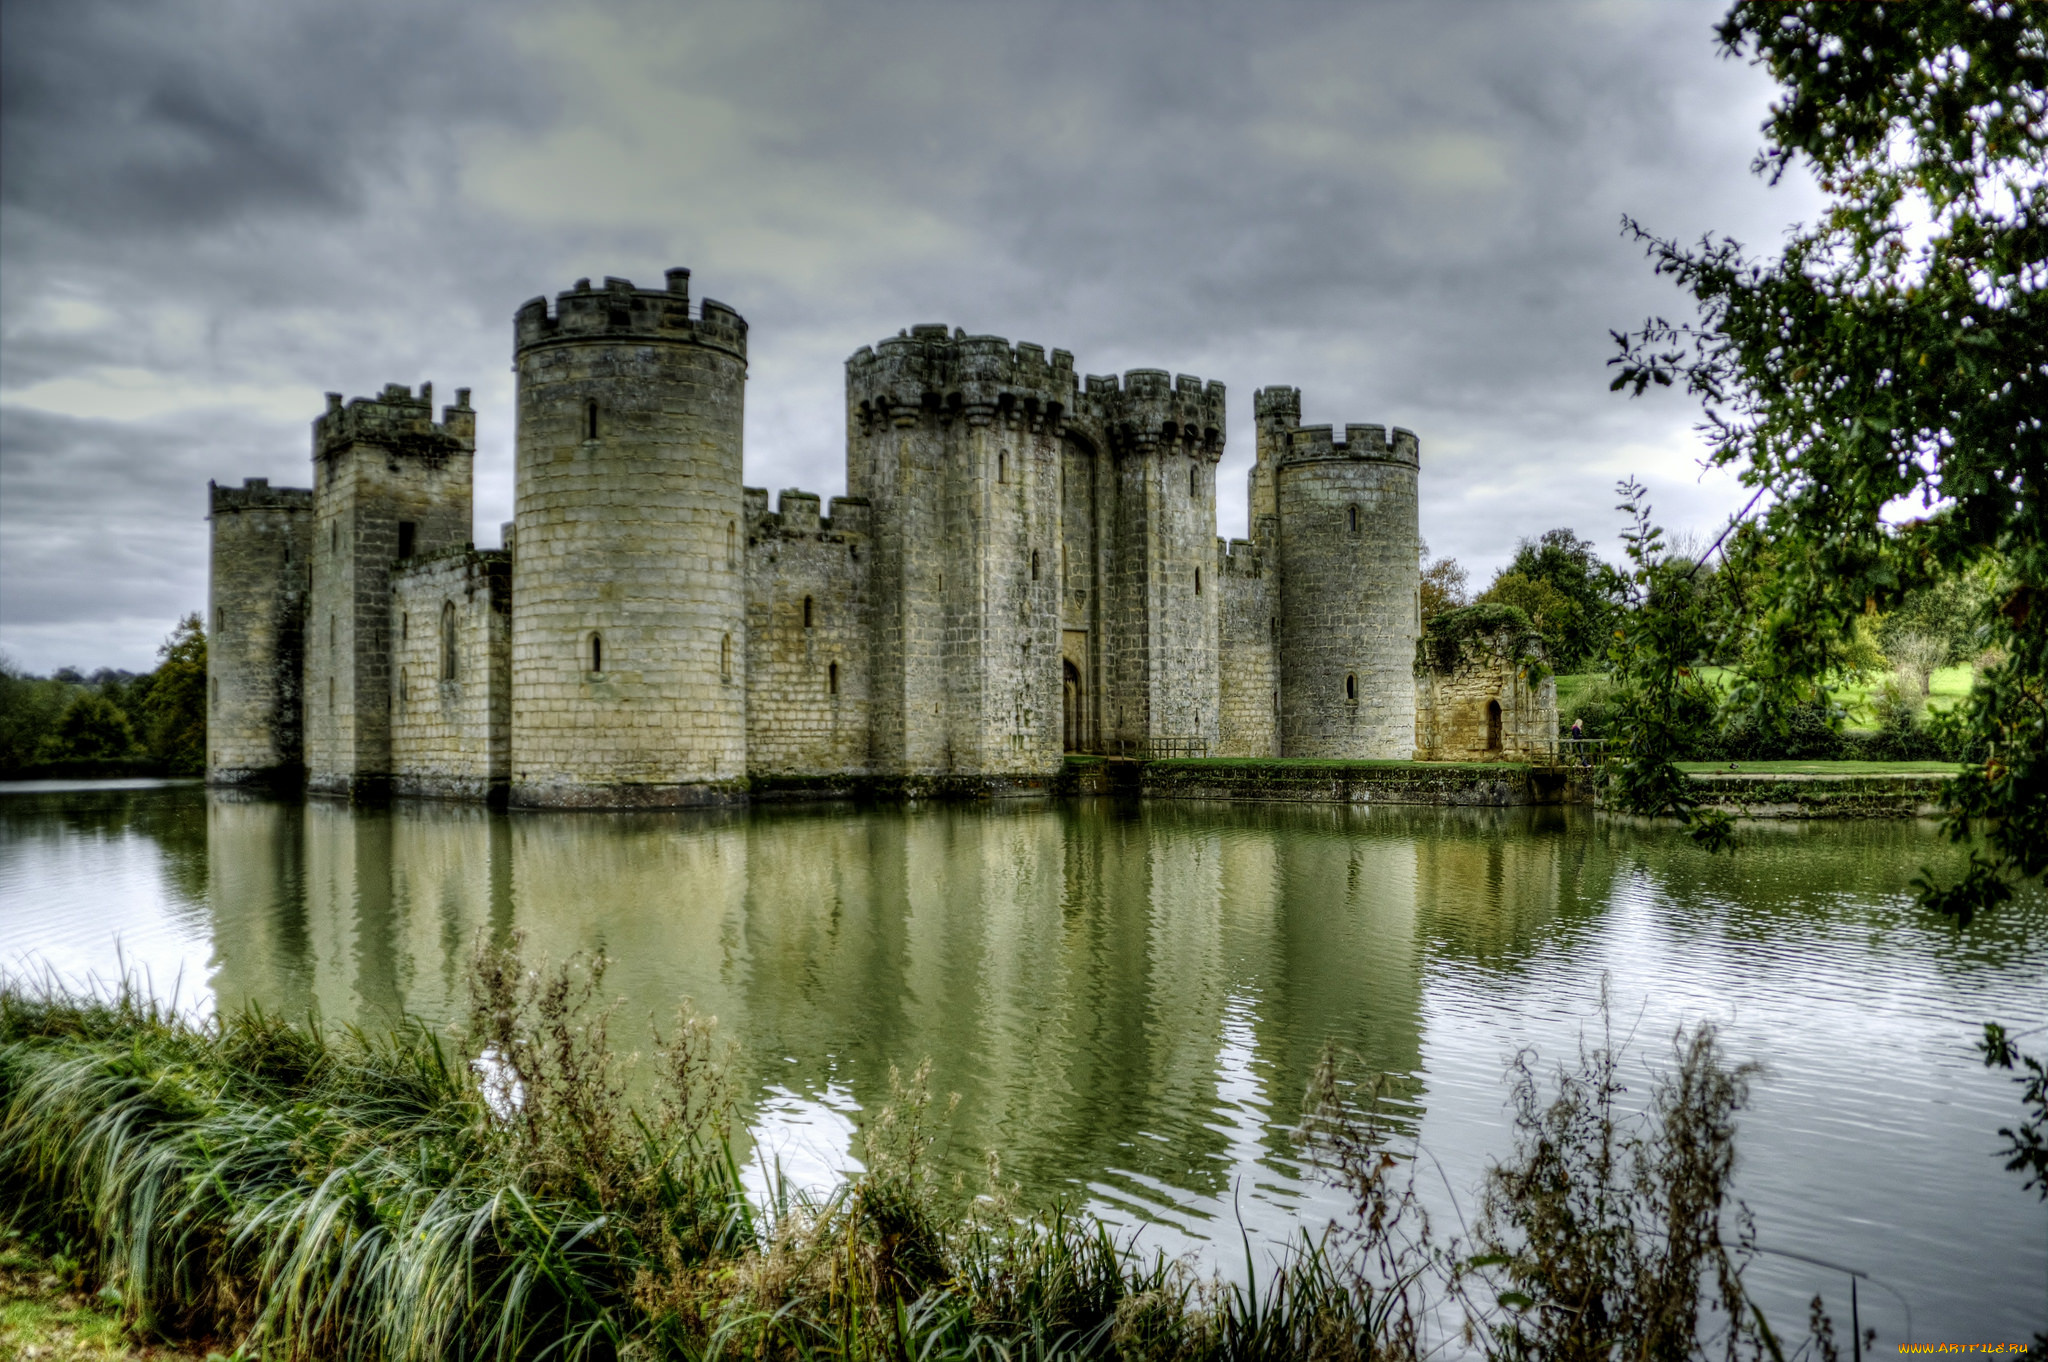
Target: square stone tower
{"x": 389, "y": 483}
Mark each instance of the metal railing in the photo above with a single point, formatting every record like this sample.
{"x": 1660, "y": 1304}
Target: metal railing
{"x": 1577, "y": 751}
{"x": 1155, "y": 749}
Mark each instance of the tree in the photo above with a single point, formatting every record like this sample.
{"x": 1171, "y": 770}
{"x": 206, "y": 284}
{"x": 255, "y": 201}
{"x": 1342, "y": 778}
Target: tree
{"x": 92, "y": 728}
{"x": 174, "y": 706}
{"x": 1443, "y": 587}
{"x": 1894, "y": 353}
{"x": 1561, "y": 584}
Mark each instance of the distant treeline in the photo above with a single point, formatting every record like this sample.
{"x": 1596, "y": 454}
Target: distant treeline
{"x": 109, "y": 723}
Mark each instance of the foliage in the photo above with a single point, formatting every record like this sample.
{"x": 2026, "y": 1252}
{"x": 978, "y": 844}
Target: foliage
{"x": 1658, "y": 696}
{"x": 1603, "y": 1230}
{"x": 2027, "y": 1144}
{"x": 1916, "y": 655}
{"x": 1605, "y": 1234}
{"x": 1443, "y": 587}
{"x": 1894, "y": 351}
{"x": 29, "y": 709}
{"x": 1451, "y": 635}
{"x": 312, "y": 1193}
{"x": 1561, "y": 584}
{"x": 174, "y": 708}
{"x": 1953, "y": 610}
{"x": 91, "y": 728}
{"x": 72, "y": 720}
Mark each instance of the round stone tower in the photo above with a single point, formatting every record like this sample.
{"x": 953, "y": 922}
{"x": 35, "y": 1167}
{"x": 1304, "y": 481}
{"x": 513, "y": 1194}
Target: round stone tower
{"x": 255, "y": 627}
{"x": 628, "y": 577}
{"x": 1348, "y": 584}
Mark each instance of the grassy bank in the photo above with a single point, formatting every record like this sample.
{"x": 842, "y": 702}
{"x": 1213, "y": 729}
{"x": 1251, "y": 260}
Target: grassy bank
{"x": 333, "y": 1194}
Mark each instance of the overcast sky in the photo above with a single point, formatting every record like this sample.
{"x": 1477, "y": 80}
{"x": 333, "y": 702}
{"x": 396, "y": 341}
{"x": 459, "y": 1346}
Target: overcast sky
{"x": 213, "y": 212}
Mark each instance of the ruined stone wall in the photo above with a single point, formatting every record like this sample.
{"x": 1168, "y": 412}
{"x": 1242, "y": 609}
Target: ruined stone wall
{"x": 629, "y": 643}
{"x": 808, "y": 624}
{"x": 451, "y": 701}
{"x": 388, "y": 483}
{"x": 255, "y": 619}
{"x": 1248, "y": 718}
{"x": 954, "y": 441}
{"x": 1454, "y": 720}
{"x": 1348, "y": 582}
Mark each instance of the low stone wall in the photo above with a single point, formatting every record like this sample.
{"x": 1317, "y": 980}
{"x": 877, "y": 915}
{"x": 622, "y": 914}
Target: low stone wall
{"x": 1770, "y": 795}
{"x": 1351, "y": 782}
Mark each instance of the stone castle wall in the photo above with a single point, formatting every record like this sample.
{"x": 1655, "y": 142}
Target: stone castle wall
{"x": 1248, "y": 666}
{"x": 954, "y": 441}
{"x": 389, "y": 483}
{"x": 808, "y": 620}
{"x": 256, "y": 620}
{"x": 1025, "y": 564}
{"x": 1349, "y": 578}
{"x": 451, "y": 700}
{"x": 629, "y": 597}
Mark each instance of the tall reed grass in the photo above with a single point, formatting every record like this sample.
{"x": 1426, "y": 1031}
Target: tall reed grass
{"x": 307, "y": 1192}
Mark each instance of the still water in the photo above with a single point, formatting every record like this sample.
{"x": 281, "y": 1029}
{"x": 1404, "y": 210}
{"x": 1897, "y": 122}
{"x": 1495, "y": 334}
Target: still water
{"x": 1129, "y": 1000}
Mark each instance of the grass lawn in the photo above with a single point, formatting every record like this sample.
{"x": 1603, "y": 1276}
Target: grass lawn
{"x": 45, "y": 1314}
{"x": 1947, "y": 686}
{"x": 1821, "y": 768}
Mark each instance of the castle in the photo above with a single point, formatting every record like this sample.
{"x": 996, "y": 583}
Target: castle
{"x": 1025, "y": 565}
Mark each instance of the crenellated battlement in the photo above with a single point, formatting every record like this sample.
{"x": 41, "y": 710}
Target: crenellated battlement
{"x": 1239, "y": 558}
{"x": 796, "y": 514}
{"x": 1147, "y": 407}
{"x": 926, "y": 368}
{"x": 616, "y": 310}
{"x": 1368, "y": 442}
{"x": 256, "y": 494}
{"x": 398, "y": 422}
{"x": 1278, "y": 404}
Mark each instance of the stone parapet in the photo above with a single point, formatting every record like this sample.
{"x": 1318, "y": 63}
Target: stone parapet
{"x": 397, "y": 422}
{"x": 928, "y": 370}
{"x": 619, "y": 312}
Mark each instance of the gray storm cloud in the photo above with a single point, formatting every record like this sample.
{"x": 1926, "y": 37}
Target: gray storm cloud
{"x": 210, "y": 213}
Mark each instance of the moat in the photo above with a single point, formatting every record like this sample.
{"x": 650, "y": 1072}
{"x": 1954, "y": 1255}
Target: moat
{"x": 1129, "y": 998}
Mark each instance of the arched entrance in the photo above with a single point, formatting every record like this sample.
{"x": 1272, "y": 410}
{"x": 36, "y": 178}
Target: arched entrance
{"x": 1070, "y": 703}
{"x": 1493, "y": 725}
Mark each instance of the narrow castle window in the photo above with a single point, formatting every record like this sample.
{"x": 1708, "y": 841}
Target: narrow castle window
{"x": 1198, "y": 581}
{"x": 220, "y": 616}
{"x": 590, "y": 419}
{"x": 331, "y": 635}
{"x": 1352, "y": 515}
{"x": 1194, "y": 480}
{"x": 1002, "y": 465}
{"x": 405, "y": 538}
{"x": 732, "y": 544}
{"x": 1034, "y": 565}
{"x": 334, "y": 537}
{"x": 597, "y": 652}
{"x": 1276, "y": 704}
{"x": 330, "y": 695}
{"x": 832, "y": 679}
{"x": 1351, "y": 686}
{"x": 448, "y": 640}
{"x": 215, "y": 685}
{"x": 725, "y": 658}
{"x": 807, "y": 612}
{"x": 287, "y": 555}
